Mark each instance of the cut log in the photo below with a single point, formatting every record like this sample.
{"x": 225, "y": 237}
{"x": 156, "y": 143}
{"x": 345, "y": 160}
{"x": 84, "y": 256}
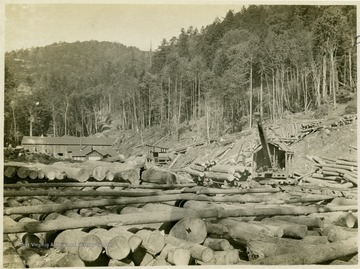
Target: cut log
{"x": 90, "y": 248}
{"x": 219, "y": 176}
{"x": 159, "y": 176}
{"x": 302, "y": 220}
{"x": 315, "y": 240}
{"x": 290, "y": 229}
{"x": 11, "y": 258}
{"x": 23, "y": 172}
{"x": 223, "y": 168}
{"x": 197, "y": 251}
{"x": 197, "y": 167}
{"x": 336, "y": 233}
{"x": 313, "y": 254}
{"x": 152, "y": 241}
{"x": 190, "y": 229}
{"x": 275, "y": 230}
{"x": 179, "y": 256}
{"x": 193, "y": 172}
{"x": 237, "y": 227}
{"x": 226, "y": 257}
{"x": 215, "y": 228}
{"x": 10, "y": 171}
{"x": 70, "y": 260}
{"x": 217, "y": 244}
{"x": 30, "y": 257}
{"x": 77, "y": 174}
{"x": 134, "y": 241}
{"x": 69, "y": 240}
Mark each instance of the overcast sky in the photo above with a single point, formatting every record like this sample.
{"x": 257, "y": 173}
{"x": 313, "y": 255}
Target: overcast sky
{"x": 136, "y": 25}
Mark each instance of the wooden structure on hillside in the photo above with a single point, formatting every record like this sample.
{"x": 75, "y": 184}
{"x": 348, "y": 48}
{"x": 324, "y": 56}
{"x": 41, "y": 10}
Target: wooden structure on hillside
{"x": 64, "y": 147}
{"x": 281, "y": 157}
{"x": 158, "y": 155}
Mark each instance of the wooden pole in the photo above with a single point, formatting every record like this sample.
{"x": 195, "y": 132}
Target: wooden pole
{"x": 152, "y": 217}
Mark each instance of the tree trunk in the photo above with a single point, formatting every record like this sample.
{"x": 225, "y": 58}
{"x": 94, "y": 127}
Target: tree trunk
{"x": 251, "y": 94}
{"x": 313, "y": 254}
{"x": 324, "y": 84}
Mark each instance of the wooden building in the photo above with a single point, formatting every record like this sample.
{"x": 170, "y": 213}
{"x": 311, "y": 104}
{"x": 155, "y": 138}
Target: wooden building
{"x": 63, "y": 147}
{"x": 91, "y": 154}
{"x": 281, "y": 159}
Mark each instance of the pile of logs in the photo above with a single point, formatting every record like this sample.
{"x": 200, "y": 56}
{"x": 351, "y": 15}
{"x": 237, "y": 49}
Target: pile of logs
{"x": 309, "y": 128}
{"x": 341, "y": 173}
{"x": 77, "y": 172}
{"x": 77, "y": 224}
{"x": 212, "y": 173}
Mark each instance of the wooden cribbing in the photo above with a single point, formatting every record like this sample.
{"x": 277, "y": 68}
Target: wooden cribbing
{"x": 312, "y": 254}
{"x": 190, "y": 229}
{"x": 290, "y": 229}
{"x": 197, "y": 251}
{"x": 151, "y": 217}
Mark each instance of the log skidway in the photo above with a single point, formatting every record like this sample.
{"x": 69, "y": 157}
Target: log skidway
{"x": 156, "y": 217}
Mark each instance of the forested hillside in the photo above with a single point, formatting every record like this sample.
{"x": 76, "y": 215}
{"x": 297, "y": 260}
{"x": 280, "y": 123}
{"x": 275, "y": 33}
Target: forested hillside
{"x": 266, "y": 59}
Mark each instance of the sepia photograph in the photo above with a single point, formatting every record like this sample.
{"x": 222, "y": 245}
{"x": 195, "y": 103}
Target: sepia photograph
{"x": 179, "y": 133}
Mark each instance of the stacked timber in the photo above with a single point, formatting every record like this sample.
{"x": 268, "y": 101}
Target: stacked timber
{"x": 341, "y": 173}
{"x": 213, "y": 173}
{"x": 211, "y": 228}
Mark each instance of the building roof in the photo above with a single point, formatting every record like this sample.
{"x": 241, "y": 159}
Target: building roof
{"x": 277, "y": 144}
{"x": 66, "y": 140}
{"x": 87, "y": 150}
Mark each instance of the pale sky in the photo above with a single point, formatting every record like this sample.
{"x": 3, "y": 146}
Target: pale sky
{"x": 136, "y": 25}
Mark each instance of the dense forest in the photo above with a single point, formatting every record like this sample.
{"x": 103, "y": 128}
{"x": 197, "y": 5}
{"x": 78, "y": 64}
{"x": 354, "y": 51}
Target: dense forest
{"x": 265, "y": 59}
